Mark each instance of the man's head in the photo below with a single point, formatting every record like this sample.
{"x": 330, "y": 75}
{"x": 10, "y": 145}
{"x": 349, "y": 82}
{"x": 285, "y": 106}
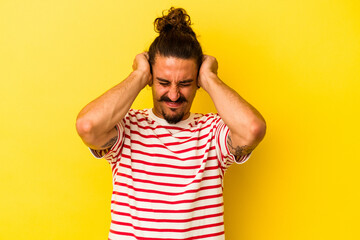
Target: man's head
{"x": 175, "y": 57}
{"x": 174, "y": 87}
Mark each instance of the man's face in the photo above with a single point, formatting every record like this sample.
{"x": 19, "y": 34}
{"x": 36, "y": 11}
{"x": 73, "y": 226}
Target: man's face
{"x": 174, "y": 87}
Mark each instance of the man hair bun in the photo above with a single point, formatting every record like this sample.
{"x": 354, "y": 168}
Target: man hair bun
{"x": 175, "y": 20}
{"x": 176, "y": 37}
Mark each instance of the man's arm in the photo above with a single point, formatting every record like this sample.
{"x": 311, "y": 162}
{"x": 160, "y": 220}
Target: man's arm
{"x": 247, "y": 126}
{"x": 97, "y": 120}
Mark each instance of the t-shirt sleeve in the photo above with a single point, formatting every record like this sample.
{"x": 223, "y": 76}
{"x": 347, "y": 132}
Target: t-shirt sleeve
{"x": 112, "y": 154}
{"x": 225, "y": 156}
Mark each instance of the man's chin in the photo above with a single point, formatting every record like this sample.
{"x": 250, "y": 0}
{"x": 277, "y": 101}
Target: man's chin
{"x": 174, "y": 117}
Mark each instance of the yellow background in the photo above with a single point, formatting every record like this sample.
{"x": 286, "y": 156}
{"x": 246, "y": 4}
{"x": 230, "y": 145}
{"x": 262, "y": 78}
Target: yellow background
{"x": 297, "y": 62}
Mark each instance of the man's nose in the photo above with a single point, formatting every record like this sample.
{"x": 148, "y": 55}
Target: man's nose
{"x": 174, "y": 93}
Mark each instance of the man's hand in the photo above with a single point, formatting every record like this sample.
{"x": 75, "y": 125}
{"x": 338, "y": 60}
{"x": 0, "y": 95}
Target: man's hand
{"x": 208, "y": 68}
{"x": 97, "y": 120}
{"x": 141, "y": 64}
{"x": 247, "y": 126}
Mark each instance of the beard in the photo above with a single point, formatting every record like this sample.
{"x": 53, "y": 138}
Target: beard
{"x": 173, "y": 119}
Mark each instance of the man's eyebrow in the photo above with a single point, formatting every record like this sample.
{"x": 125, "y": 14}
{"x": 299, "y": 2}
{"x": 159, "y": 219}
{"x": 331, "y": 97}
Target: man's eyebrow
{"x": 161, "y": 79}
{"x": 183, "y": 81}
{"x": 187, "y": 81}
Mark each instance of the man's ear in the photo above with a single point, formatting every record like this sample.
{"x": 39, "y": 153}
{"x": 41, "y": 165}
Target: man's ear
{"x": 151, "y": 72}
{"x": 197, "y": 79}
{"x": 151, "y": 82}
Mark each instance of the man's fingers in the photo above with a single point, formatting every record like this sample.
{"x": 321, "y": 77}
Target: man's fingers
{"x": 146, "y": 54}
{"x": 205, "y": 57}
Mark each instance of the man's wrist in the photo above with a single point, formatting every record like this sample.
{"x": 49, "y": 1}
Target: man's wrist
{"x": 143, "y": 76}
{"x": 208, "y": 80}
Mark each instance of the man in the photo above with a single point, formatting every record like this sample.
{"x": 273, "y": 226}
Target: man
{"x": 168, "y": 164}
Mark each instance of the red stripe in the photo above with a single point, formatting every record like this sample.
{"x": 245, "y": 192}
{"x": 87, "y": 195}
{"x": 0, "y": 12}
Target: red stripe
{"x": 158, "y": 155}
{"x": 165, "y": 147}
{"x": 169, "y": 220}
{"x": 222, "y": 163}
{"x": 139, "y": 119}
{"x": 167, "y": 210}
{"x": 159, "y": 136}
{"x": 167, "y": 193}
{"x": 112, "y": 155}
{"x": 157, "y": 127}
{"x": 217, "y": 135}
{"x": 166, "y": 165}
{"x": 167, "y": 156}
{"x": 148, "y": 136}
{"x": 131, "y": 159}
{"x": 167, "y": 202}
{"x": 146, "y": 238}
{"x": 128, "y": 157}
{"x": 170, "y": 230}
{"x": 167, "y": 174}
{"x": 165, "y": 183}
{"x": 114, "y": 170}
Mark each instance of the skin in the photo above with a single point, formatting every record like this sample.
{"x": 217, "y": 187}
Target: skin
{"x": 247, "y": 126}
{"x": 96, "y": 122}
{"x": 174, "y": 87}
{"x": 173, "y": 79}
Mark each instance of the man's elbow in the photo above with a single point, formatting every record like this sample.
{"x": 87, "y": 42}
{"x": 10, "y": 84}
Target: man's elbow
{"x": 253, "y": 135}
{"x": 257, "y": 131}
{"x": 84, "y": 128}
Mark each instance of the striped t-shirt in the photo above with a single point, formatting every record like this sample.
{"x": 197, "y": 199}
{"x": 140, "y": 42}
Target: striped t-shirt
{"x": 168, "y": 178}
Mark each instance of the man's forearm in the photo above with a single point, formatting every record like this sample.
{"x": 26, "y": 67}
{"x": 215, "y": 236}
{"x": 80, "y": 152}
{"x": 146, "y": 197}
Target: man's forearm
{"x": 245, "y": 123}
{"x": 101, "y": 115}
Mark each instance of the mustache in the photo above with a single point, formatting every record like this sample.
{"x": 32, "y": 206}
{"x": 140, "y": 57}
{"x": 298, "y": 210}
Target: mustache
{"x": 164, "y": 98}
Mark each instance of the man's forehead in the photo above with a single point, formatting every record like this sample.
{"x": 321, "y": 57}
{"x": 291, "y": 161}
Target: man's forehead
{"x": 161, "y": 60}
{"x": 167, "y": 67}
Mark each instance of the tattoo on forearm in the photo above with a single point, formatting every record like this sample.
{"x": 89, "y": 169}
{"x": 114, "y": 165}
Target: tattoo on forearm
{"x": 110, "y": 143}
{"x": 238, "y": 150}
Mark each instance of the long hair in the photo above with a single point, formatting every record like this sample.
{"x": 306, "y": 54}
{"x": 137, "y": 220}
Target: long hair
{"x": 176, "y": 37}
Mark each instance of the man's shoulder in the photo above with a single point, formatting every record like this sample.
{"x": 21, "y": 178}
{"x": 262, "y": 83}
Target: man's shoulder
{"x": 136, "y": 115}
{"x": 206, "y": 118}
{"x": 208, "y": 115}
